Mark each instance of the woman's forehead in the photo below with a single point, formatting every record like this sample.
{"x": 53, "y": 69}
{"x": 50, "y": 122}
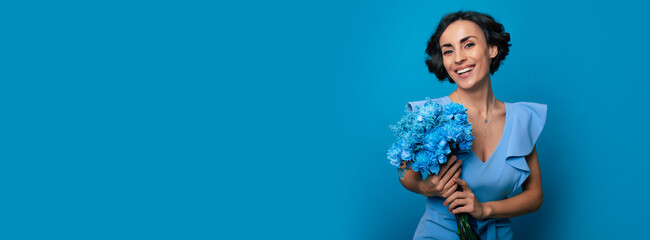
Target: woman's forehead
{"x": 458, "y": 30}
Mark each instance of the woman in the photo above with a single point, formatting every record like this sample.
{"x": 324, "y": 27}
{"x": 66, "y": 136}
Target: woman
{"x": 466, "y": 48}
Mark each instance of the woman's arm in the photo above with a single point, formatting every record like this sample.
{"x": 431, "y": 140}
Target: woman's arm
{"x": 528, "y": 201}
{"x": 411, "y": 180}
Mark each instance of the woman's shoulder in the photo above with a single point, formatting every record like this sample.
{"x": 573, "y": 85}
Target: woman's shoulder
{"x": 530, "y": 106}
{"x": 414, "y": 105}
{"x": 530, "y": 110}
{"x": 528, "y": 121}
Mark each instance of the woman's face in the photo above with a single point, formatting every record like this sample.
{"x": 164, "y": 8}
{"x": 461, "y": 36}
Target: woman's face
{"x": 466, "y": 54}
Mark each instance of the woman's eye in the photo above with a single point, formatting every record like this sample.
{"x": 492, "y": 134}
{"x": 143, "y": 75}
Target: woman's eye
{"x": 446, "y": 52}
{"x": 469, "y": 45}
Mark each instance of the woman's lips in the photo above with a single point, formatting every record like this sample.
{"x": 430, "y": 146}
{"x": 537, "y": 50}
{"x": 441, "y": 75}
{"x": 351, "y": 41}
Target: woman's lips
{"x": 464, "y": 72}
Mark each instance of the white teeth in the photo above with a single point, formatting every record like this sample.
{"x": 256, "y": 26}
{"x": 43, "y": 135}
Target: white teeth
{"x": 464, "y": 70}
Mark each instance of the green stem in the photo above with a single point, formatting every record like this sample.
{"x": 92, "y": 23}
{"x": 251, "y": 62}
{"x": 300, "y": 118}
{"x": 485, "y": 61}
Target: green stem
{"x": 458, "y": 225}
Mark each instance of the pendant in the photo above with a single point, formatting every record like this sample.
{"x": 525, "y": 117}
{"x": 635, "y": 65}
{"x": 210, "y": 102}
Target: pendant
{"x": 484, "y": 133}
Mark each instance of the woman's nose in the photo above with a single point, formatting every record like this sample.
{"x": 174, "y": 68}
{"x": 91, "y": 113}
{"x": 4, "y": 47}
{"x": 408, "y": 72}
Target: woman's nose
{"x": 460, "y": 57}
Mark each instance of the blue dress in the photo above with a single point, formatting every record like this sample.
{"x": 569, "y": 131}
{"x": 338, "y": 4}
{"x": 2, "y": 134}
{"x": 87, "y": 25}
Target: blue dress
{"x": 501, "y": 174}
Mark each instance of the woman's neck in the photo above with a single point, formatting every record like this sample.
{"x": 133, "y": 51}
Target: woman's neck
{"x": 478, "y": 99}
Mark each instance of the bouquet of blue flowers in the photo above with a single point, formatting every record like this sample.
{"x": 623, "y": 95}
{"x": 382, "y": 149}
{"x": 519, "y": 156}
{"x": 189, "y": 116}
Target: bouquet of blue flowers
{"x": 427, "y": 137}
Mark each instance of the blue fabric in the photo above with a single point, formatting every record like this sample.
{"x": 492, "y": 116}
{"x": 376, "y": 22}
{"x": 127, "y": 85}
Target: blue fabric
{"x": 501, "y": 174}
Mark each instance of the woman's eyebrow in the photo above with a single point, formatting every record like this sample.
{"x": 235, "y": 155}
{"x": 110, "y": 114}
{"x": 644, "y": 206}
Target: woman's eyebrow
{"x": 461, "y": 41}
{"x": 465, "y": 38}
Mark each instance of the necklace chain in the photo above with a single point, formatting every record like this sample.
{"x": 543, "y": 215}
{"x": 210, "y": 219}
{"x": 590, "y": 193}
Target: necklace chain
{"x": 486, "y": 120}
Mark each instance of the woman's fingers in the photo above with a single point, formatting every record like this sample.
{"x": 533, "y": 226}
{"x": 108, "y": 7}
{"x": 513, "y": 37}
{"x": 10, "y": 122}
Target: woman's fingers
{"x": 463, "y": 209}
{"x": 451, "y": 190}
{"x": 451, "y": 186}
{"x": 446, "y": 166}
{"x": 440, "y": 184}
{"x": 456, "y": 203}
{"x": 446, "y": 182}
{"x": 454, "y": 196}
{"x": 463, "y": 184}
{"x": 451, "y": 172}
{"x": 435, "y": 178}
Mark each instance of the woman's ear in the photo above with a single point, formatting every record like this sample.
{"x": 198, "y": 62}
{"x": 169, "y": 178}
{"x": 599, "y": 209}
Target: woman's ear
{"x": 493, "y": 51}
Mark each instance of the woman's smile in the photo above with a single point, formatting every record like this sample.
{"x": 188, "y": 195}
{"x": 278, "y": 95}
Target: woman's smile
{"x": 464, "y": 71}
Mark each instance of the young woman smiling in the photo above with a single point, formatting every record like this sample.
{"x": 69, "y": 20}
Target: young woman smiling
{"x": 466, "y": 49}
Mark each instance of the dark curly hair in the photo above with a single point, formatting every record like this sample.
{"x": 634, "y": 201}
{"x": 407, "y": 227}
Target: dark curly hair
{"x": 494, "y": 34}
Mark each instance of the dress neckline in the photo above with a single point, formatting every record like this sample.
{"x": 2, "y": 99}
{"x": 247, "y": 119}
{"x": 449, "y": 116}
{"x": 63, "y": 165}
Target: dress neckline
{"x": 501, "y": 140}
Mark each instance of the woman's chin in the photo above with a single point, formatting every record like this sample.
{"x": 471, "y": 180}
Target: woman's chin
{"x": 467, "y": 82}
{"x": 464, "y": 83}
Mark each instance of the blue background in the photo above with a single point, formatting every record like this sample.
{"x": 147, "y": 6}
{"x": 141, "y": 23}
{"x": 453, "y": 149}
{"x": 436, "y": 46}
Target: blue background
{"x": 269, "y": 119}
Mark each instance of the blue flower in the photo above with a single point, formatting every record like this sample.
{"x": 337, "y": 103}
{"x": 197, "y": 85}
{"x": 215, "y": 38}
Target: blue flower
{"x": 405, "y": 155}
{"x": 394, "y": 154}
{"x": 460, "y": 118}
{"x": 465, "y": 145}
{"x": 428, "y": 135}
{"x": 422, "y": 156}
{"x": 430, "y": 140}
{"x": 454, "y": 108}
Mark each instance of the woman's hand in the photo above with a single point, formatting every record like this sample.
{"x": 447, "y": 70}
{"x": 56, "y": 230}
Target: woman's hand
{"x": 441, "y": 184}
{"x": 465, "y": 202}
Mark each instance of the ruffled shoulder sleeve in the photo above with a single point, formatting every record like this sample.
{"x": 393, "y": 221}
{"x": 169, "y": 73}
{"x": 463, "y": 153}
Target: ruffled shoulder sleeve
{"x": 527, "y": 124}
{"x": 415, "y": 105}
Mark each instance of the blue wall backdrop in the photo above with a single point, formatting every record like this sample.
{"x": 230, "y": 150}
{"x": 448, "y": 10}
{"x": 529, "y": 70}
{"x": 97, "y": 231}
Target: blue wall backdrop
{"x": 269, "y": 119}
